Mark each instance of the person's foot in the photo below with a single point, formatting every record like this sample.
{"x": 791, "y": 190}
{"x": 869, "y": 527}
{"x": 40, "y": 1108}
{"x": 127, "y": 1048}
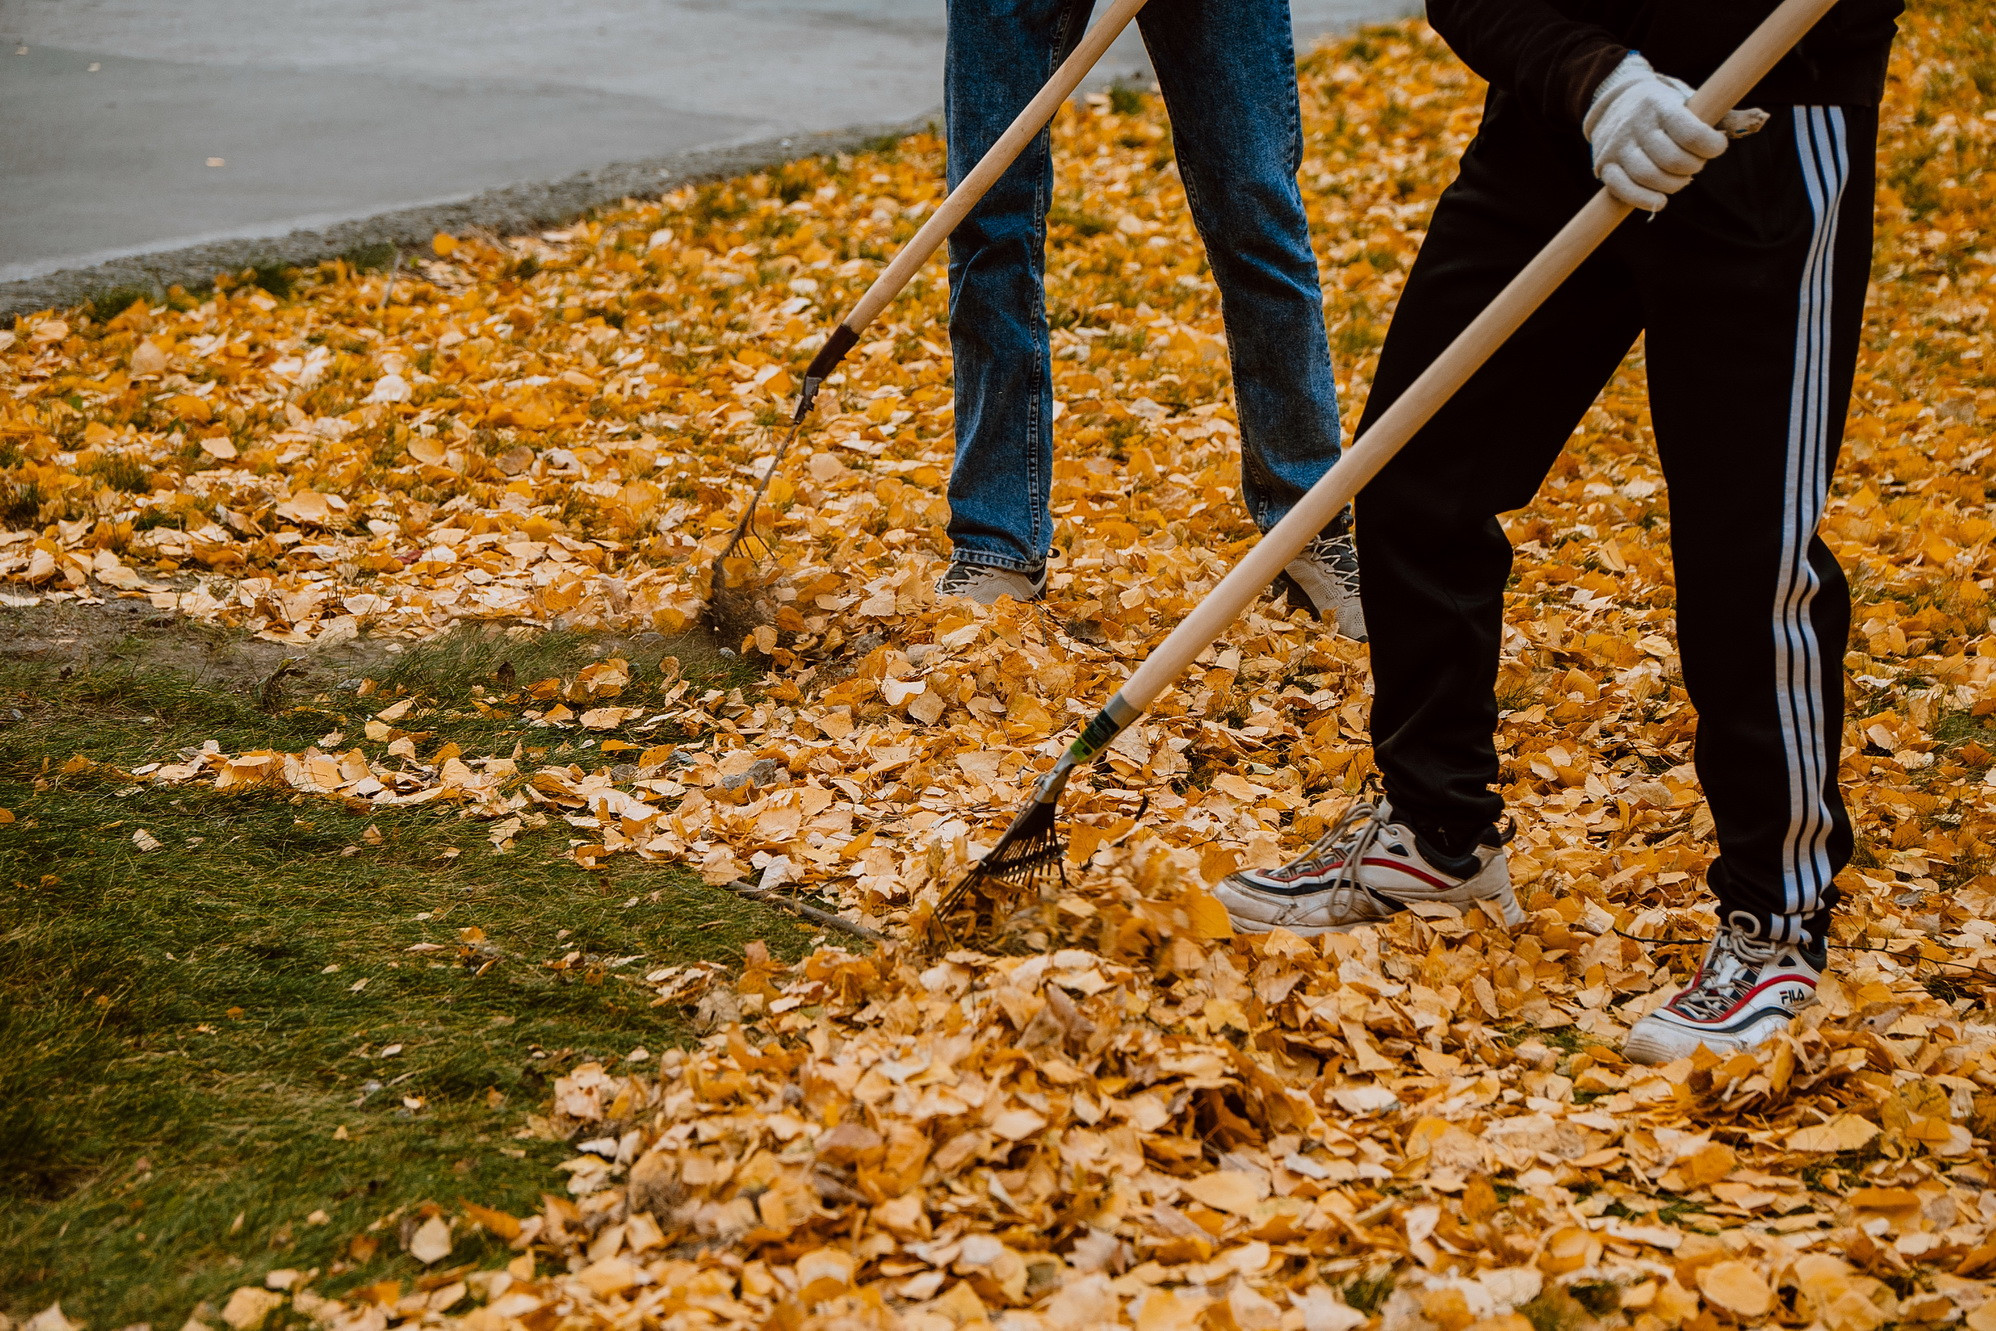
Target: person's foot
{"x": 1324, "y": 581}
{"x": 1366, "y": 868}
{"x": 984, "y": 584}
{"x": 1744, "y": 993}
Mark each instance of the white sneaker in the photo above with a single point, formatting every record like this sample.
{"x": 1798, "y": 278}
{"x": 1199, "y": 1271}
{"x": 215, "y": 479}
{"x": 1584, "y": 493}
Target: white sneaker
{"x": 1745, "y": 991}
{"x": 1325, "y": 578}
{"x": 1365, "y": 868}
{"x": 984, "y": 584}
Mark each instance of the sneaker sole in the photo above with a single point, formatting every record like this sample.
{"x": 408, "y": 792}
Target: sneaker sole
{"x": 1037, "y": 596}
{"x": 1659, "y": 1043}
{"x": 1506, "y": 906}
{"x": 1300, "y": 930}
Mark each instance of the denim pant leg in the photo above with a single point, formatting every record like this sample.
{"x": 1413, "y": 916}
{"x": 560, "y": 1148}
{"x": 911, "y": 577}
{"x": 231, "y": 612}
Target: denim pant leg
{"x": 1000, "y": 53}
{"x": 1228, "y": 75}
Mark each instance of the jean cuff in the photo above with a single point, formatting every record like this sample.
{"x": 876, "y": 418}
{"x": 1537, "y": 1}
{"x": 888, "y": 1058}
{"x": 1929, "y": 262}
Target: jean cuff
{"x": 1340, "y": 525}
{"x": 982, "y": 559}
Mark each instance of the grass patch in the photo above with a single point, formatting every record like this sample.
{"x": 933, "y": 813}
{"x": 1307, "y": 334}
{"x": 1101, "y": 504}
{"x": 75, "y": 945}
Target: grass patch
{"x": 1367, "y": 1293}
{"x": 1084, "y": 224}
{"x": 886, "y": 142}
{"x": 21, "y": 504}
{"x": 369, "y": 258}
{"x": 1556, "y": 1310}
{"x": 450, "y": 666}
{"x": 108, "y": 305}
{"x": 198, "y": 1086}
{"x": 453, "y": 674}
{"x": 122, "y": 472}
{"x": 276, "y": 278}
{"x": 1953, "y": 729}
{"x": 1126, "y": 100}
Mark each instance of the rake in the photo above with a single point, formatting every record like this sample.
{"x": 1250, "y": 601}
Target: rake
{"x": 1031, "y": 850}
{"x": 916, "y": 252}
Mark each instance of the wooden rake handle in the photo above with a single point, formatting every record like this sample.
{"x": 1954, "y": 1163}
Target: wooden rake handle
{"x": 1473, "y": 346}
{"x": 965, "y": 196}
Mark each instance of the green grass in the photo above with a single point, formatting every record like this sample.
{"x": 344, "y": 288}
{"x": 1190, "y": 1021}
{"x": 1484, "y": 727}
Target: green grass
{"x": 121, "y": 472}
{"x": 1125, "y": 100}
{"x": 21, "y": 503}
{"x": 184, "y": 1040}
{"x": 1367, "y": 1293}
{"x": 108, "y": 305}
{"x": 1084, "y": 225}
{"x": 1952, "y": 730}
{"x": 370, "y": 257}
{"x": 276, "y": 278}
{"x": 1556, "y": 1310}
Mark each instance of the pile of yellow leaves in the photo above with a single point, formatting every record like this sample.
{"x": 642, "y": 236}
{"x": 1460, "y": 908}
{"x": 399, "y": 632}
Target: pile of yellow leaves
{"x": 1146, "y": 1123}
{"x": 1153, "y": 1126}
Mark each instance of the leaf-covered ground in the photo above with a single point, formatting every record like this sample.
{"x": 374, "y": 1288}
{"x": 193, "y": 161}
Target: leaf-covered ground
{"x": 1131, "y": 1117}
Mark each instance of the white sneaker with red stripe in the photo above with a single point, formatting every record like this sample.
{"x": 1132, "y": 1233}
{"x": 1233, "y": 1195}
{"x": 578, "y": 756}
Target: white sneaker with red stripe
{"x": 1745, "y": 991}
{"x": 1365, "y": 868}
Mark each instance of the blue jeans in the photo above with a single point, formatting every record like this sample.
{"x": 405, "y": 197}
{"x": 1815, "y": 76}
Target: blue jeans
{"x": 1228, "y": 74}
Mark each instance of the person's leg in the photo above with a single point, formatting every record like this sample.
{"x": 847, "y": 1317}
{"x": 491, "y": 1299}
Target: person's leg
{"x": 1000, "y": 53}
{"x": 1753, "y": 283}
{"x": 1228, "y": 76}
{"x": 1435, "y": 556}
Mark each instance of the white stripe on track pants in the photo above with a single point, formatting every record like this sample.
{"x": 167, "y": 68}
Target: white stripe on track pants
{"x": 1748, "y": 289}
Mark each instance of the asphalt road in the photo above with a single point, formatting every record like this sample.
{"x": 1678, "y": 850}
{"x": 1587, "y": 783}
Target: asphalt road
{"x": 205, "y": 128}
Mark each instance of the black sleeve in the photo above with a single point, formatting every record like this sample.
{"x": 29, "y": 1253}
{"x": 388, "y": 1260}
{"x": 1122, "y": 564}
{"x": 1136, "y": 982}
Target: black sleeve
{"x": 1549, "y": 62}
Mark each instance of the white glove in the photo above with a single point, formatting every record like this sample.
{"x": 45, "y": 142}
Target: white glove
{"x": 1647, "y": 144}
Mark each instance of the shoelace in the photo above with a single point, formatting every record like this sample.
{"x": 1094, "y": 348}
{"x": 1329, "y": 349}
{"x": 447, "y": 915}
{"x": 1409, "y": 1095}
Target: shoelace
{"x": 1732, "y": 965}
{"x": 1336, "y": 556}
{"x": 1352, "y": 835}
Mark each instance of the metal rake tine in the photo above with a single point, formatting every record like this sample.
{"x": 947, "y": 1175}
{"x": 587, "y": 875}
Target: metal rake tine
{"x": 769, "y": 472}
{"x": 1136, "y": 821}
{"x": 954, "y": 900}
{"x": 946, "y": 911}
{"x": 745, "y": 529}
{"x": 744, "y": 539}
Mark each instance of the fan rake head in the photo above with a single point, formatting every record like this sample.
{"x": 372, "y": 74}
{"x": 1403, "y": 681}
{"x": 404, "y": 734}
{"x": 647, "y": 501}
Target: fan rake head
{"x": 1023, "y": 867}
{"x": 745, "y": 537}
{"x": 1028, "y": 861}
{"x": 746, "y": 541}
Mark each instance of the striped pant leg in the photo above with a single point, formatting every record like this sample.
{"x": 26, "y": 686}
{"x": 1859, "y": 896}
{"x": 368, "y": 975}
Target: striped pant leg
{"x": 1754, "y": 282}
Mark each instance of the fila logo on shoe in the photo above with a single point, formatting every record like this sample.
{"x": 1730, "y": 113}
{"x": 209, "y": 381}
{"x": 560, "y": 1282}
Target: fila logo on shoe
{"x": 1789, "y": 992}
{"x": 1746, "y": 990}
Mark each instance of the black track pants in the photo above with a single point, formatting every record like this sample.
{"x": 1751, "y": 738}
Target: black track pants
{"x": 1750, "y": 288}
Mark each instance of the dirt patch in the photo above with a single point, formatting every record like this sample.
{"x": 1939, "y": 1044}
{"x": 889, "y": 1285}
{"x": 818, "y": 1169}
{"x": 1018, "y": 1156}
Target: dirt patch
{"x": 133, "y": 634}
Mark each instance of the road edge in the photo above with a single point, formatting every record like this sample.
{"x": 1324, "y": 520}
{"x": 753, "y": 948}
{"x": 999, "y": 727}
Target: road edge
{"x": 507, "y": 210}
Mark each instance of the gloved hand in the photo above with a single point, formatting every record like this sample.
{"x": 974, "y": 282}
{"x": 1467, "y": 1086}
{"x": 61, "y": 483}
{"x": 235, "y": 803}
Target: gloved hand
{"x": 1647, "y": 144}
